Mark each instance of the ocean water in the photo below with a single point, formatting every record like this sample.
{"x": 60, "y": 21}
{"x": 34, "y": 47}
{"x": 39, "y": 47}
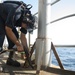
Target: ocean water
{"x": 67, "y": 57}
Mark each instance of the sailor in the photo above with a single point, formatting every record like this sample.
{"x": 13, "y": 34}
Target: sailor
{"x": 15, "y": 14}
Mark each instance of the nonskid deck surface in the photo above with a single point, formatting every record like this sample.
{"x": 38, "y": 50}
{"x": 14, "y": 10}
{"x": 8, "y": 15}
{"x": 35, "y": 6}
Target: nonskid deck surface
{"x": 9, "y": 70}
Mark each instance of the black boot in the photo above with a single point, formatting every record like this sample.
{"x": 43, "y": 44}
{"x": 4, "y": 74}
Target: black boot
{"x": 12, "y": 62}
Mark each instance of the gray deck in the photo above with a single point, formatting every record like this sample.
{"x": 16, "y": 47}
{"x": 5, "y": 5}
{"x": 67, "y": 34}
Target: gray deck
{"x": 9, "y": 70}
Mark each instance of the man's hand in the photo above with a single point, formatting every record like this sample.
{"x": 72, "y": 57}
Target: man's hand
{"x": 19, "y": 46}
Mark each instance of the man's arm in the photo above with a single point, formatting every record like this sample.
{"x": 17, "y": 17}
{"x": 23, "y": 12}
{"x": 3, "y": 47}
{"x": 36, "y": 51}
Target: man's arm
{"x": 23, "y": 37}
{"x": 13, "y": 38}
{"x": 24, "y": 41}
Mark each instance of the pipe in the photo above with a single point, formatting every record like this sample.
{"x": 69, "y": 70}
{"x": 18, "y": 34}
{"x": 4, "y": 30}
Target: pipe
{"x": 55, "y": 2}
{"x": 43, "y": 41}
{"x": 62, "y": 18}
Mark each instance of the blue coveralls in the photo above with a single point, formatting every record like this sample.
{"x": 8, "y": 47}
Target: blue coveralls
{"x": 11, "y": 16}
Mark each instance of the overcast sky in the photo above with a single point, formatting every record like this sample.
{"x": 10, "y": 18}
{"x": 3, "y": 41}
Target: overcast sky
{"x": 63, "y": 31}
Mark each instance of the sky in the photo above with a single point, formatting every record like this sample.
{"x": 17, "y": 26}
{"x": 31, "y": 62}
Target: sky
{"x": 32, "y": 2}
{"x": 61, "y": 32}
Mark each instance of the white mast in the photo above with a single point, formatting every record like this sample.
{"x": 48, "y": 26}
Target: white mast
{"x": 43, "y": 42}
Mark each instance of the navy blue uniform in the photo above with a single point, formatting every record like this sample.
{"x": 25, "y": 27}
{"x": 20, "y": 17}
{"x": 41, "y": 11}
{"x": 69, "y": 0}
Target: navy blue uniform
{"x": 11, "y": 16}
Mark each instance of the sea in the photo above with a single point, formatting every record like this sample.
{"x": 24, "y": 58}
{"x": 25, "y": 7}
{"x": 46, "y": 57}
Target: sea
{"x": 67, "y": 57}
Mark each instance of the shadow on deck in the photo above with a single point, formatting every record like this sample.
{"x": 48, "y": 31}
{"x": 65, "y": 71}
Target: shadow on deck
{"x": 9, "y": 70}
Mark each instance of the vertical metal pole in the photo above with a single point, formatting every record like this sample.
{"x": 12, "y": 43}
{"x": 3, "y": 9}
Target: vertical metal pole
{"x": 43, "y": 41}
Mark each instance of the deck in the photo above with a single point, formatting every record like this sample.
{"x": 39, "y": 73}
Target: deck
{"x": 9, "y": 70}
